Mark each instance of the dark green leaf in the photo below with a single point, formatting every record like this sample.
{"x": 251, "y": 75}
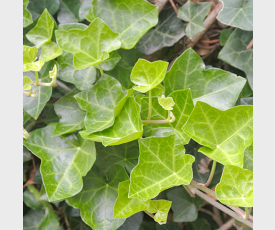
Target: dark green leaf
{"x": 30, "y": 201}
{"x": 163, "y": 35}
{"x": 247, "y": 101}
{"x": 133, "y": 222}
{"x": 27, "y": 156}
{"x": 32, "y": 219}
{"x": 111, "y": 62}
{"x": 224, "y": 35}
{"x": 199, "y": 224}
{"x": 68, "y": 11}
{"x": 76, "y": 223}
{"x": 37, "y": 7}
{"x": 168, "y": 226}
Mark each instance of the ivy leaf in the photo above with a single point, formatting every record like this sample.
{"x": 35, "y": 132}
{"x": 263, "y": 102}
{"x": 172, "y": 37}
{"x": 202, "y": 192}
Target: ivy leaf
{"x": 102, "y": 103}
{"x": 182, "y": 110}
{"x": 164, "y": 34}
{"x": 101, "y": 42}
{"x": 236, "y": 187}
{"x": 237, "y": 13}
{"x": 158, "y": 91}
{"x": 82, "y": 79}
{"x": 62, "y": 178}
{"x": 166, "y": 103}
{"x": 32, "y": 219}
{"x": 183, "y": 205}
{"x": 160, "y": 208}
{"x": 69, "y": 11}
{"x": 125, "y": 155}
{"x": 131, "y": 18}
{"x": 50, "y": 51}
{"x": 111, "y": 62}
{"x": 123, "y": 69}
{"x": 27, "y": 17}
{"x": 71, "y": 116}
{"x": 199, "y": 224}
{"x": 147, "y": 75}
{"x": 235, "y": 53}
{"x": 126, "y": 128}
{"x": 194, "y": 14}
{"x": 43, "y": 30}
{"x": 248, "y": 158}
{"x": 214, "y": 86}
{"x": 162, "y": 164}
{"x": 227, "y": 144}
{"x": 84, "y": 9}
{"x": 247, "y": 101}
{"x": 224, "y": 35}
{"x": 37, "y": 7}
{"x": 27, "y": 82}
{"x": 97, "y": 198}
{"x": 29, "y": 57}
{"x": 71, "y": 26}
{"x": 30, "y": 201}
{"x": 34, "y": 106}
{"x": 76, "y": 223}
{"x": 124, "y": 206}
{"x": 133, "y": 222}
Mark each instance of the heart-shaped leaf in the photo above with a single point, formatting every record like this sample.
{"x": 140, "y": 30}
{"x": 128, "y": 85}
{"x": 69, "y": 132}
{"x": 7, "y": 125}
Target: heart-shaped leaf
{"x": 82, "y": 79}
{"x": 131, "y": 18}
{"x": 164, "y": 35}
{"x": 213, "y": 86}
{"x": 236, "y": 54}
{"x": 166, "y": 103}
{"x": 147, "y": 75}
{"x": 50, "y": 51}
{"x": 69, "y": 11}
{"x": 126, "y": 128}
{"x": 27, "y": 17}
{"x": 71, "y": 116}
{"x": 103, "y": 102}
{"x": 97, "y": 198}
{"x": 162, "y": 164}
{"x": 160, "y": 208}
{"x": 100, "y": 39}
{"x": 65, "y": 160}
{"x": 194, "y": 14}
{"x": 225, "y": 134}
{"x": 236, "y": 187}
{"x": 43, "y": 30}
{"x": 29, "y": 57}
{"x": 237, "y": 13}
{"x": 27, "y": 82}
{"x": 248, "y": 158}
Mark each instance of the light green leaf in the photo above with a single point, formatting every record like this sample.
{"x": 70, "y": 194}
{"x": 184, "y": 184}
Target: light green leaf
{"x": 236, "y": 187}
{"x": 34, "y": 106}
{"x": 27, "y": 82}
{"x": 163, "y": 35}
{"x": 123, "y": 69}
{"x": 62, "y": 178}
{"x": 183, "y": 205}
{"x": 224, "y": 35}
{"x": 76, "y": 223}
{"x": 84, "y": 9}
{"x": 162, "y": 164}
{"x": 199, "y": 224}
{"x": 43, "y": 30}
{"x": 111, "y": 62}
{"x": 166, "y": 103}
{"x": 133, "y": 222}
{"x": 37, "y": 7}
{"x": 97, "y": 198}
{"x": 131, "y": 18}
{"x": 237, "y": 13}
{"x": 29, "y": 57}
{"x": 124, "y": 206}
{"x": 50, "y": 51}
{"x": 248, "y": 158}
{"x": 160, "y": 208}
{"x": 71, "y": 116}
{"x": 27, "y": 18}
{"x": 126, "y": 128}
{"x": 225, "y": 134}
{"x": 100, "y": 39}
{"x": 168, "y": 226}
{"x": 235, "y": 53}
{"x": 71, "y": 26}
{"x": 102, "y": 103}
{"x": 82, "y": 79}
{"x": 182, "y": 110}
{"x": 125, "y": 155}
{"x": 147, "y": 75}
{"x": 214, "y": 86}
{"x": 194, "y": 14}
{"x": 68, "y": 11}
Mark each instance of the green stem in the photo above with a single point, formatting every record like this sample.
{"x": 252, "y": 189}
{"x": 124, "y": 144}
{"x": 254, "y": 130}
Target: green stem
{"x": 150, "y": 106}
{"x": 36, "y": 79}
{"x": 145, "y": 122}
{"x": 211, "y": 174}
{"x": 247, "y": 212}
{"x": 168, "y": 118}
{"x": 101, "y": 71}
{"x": 149, "y": 214}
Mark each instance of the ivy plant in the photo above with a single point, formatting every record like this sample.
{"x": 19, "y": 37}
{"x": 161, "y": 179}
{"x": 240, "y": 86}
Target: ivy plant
{"x": 137, "y": 114}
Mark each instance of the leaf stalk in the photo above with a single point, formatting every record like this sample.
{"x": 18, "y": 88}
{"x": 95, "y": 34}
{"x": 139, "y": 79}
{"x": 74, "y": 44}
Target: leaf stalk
{"x": 150, "y": 106}
{"x": 211, "y": 174}
{"x": 100, "y": 69}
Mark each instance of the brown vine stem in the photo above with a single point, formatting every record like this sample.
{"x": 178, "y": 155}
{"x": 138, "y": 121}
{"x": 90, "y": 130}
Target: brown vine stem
{"x": 250, "y": 45}
{"x": 174, "y": 6}
{"x": 63, "y": 86}
{"x": 220, "y": 206}
{"x": 227, "y": 225}
{"x": 160, "y": 4}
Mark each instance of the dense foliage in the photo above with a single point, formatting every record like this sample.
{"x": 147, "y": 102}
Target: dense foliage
{"x": 137, "y": 114}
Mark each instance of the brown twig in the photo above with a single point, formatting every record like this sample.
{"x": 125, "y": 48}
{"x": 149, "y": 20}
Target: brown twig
{"x": 227, "y": 225}
{"x": 209, "y": 42}
{"x": 174, "y": 6}
{"x": 160, "y": 4}
{"x": 207, "y": 47}
{"x": 250, "y": 45}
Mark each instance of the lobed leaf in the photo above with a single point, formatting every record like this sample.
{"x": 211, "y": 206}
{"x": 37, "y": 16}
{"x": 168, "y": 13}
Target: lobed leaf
{"x": 131, "y": 18}
{"x": 162, "y": 164}
{"x": 160, "y": 208}
{"x": 166, "y": 103}
{"x": 236, "y": 187}
{"x": 27, "y": 17}
{"x": 65, "y": 160}
{"x": 29, "y": 57}
{"x": 216, "y": 87}
{"x": 225, "y": 134}
{"x": 90, "y": 46}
